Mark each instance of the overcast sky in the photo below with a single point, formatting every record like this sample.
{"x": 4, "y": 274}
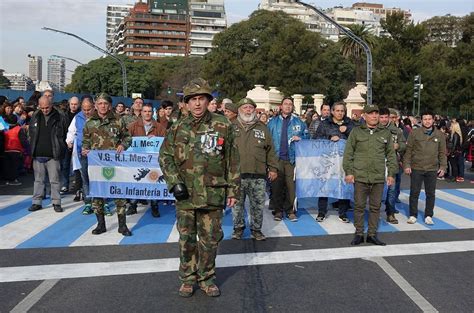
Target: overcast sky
{"x": 21, "y": 22}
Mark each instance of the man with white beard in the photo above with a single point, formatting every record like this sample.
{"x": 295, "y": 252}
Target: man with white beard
{"x": 257, "y": 162}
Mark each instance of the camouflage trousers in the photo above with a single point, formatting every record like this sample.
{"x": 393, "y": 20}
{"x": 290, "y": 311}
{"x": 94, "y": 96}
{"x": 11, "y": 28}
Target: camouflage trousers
{"x": 98, "y": 205}
{"x": 254, "y": 188}
{"x": 198, "y": 258}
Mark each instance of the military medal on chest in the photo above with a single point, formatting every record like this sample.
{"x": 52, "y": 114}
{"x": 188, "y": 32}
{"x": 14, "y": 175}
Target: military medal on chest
{"x": 211, "y": 142}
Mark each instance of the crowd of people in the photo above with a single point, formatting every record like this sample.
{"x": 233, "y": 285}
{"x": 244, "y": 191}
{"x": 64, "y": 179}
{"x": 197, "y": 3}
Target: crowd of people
{"x": 218, "y": 153}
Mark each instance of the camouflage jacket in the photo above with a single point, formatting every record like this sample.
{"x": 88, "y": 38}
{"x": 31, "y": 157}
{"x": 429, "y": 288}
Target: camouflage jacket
{"x": 105, "y": 134}
{"x": 129, "y": 118}
{"x": 202, "y": 155}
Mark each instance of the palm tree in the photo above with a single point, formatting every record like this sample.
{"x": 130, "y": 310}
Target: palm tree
{"x": 351, "y": 49}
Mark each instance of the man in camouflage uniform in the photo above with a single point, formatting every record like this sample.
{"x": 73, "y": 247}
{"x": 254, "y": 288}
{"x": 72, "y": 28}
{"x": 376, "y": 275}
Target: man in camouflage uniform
{"x": 136, "y": 111}
{"x": 201, "y": 167}
{"x": 256, "y": 154}
{"x": 106, "y": 131}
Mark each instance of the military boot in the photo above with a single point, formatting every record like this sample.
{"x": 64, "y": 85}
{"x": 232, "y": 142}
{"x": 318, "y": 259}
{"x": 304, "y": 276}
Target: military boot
{"x": 100, "y": 225}
{"x": 123, "y": 229}
{"x": 132, "y": 209}
{"x": 155, "y": 212}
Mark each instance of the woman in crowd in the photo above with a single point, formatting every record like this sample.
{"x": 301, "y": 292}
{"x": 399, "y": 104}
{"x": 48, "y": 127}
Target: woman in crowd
{"x": 455, "y": 152}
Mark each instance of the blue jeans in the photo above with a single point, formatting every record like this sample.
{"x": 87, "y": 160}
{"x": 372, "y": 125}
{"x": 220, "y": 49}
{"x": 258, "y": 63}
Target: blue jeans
{"x": 398, "y": 182}
{"x": 392, "y": 195}
{"x": 66, "y": 169}
{"x": 85, "y": 179}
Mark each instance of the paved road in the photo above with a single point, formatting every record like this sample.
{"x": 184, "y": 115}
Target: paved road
{"x": 50, "y": 263}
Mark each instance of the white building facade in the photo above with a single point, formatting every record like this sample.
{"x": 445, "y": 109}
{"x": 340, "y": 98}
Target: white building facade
{"x": 57, "y": 73}
{"x": 207, "y": 18}
{"x": 19, "y": 81}
{"x": 115, "y": 15}
{"x": 35, "y": 68}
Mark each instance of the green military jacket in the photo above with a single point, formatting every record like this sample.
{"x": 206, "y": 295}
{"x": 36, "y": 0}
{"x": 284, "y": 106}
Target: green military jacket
{"x": 368, "y": 153}
{"x": 425, "y": 152}
{"x": 256, "y": 151}
{"x": 201, "y": 153}
{"x": 130, "y": 118}
{"x": 105, "y": 134}
{"x": 398, "y": 137}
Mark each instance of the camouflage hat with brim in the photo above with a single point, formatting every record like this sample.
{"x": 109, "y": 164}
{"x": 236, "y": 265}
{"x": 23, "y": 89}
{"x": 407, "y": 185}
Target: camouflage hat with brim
{"x": 246, "y": 101}
{"x": 394, "y": 111}
{"x": 103, "y": 96}
{"x": 196, "y": 87}
{"x": 370, "y": 108}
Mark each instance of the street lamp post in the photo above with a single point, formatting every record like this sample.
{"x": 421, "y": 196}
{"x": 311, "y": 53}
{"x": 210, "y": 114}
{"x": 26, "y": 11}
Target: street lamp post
{"x": 122, "y": 65}
{"x": 356, "y": 39}
{"x": 70, "y": 59}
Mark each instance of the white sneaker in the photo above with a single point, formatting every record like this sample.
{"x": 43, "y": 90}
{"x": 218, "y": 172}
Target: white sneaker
{"x": 429, "y": 220}
{"x": 411, "y": 220}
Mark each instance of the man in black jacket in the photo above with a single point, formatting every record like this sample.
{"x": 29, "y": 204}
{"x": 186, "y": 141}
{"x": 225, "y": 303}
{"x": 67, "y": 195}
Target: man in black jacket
{"x": 47, "y": 134}
{"x": 337, "y": 126}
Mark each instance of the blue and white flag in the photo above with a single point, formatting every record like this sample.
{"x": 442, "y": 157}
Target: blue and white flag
{"x": 146, "y": 144}
{"x": 3, "y": 125}
{"x": 129, "y": 175}
{"x": 319, "y": 171}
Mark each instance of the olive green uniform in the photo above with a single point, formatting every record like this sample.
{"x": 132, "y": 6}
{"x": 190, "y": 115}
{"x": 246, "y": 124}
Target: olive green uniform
{"x": 201, "y": 154}
{"x": 257, "y": 154}
{"x": 367, "y": 154}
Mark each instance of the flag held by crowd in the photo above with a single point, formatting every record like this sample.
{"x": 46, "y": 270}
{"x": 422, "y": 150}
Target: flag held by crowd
{"x": 319, "y": 171}
{"x": 132, "y": 174}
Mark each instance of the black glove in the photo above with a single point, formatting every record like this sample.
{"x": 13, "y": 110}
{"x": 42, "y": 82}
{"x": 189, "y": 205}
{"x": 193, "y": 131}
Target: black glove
{"x": 180, "y": 192}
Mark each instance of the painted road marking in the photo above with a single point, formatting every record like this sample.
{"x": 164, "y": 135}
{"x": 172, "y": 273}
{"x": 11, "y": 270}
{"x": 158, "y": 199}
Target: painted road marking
{"x": 78, "y": 270}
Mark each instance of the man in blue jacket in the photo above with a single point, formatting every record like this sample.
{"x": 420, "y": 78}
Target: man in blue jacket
{"x": 285, "y": 129}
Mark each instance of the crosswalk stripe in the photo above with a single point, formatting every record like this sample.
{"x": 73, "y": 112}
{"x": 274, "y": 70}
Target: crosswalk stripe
{"x": 13, "y": 234}
{"x": 442, "y": 216}
{"x": 6, "y": 201}
{"x": 174, "y": 234}
{"x": 61, "y": 233}
{"x": 152, "y": 230}
{"x": 448, "y": 197}
{"x": 469, "y": 191}
{"x": 452, "y": 207}
{"x": 403, "y": 218}
{"x": 20, "y": 228}
{"x": 331, "y": 225}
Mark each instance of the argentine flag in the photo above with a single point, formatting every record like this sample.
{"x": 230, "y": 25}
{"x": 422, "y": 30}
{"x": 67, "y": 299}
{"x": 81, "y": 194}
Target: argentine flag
{"x": 319, "y": 171}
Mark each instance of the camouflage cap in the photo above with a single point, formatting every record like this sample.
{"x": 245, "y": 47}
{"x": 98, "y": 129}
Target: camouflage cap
{"x": 394, "y": 111}
{"x": 104, "y": 96}
{"x": 229, "y": 105}
{"x": 195, "y": 87}
{"x": 370, "y": 108}
{"x": 246, "y": 101}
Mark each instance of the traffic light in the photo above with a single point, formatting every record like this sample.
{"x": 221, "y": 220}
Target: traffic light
{"x": 169, "y": 91}
{"x": 417, "y": 86}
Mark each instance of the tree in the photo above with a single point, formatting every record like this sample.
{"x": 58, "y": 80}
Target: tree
{"x": 105, "y": 75}
{"x": 274, "y": 49}
{"x": 352, "y": 49}
{"x": 404, "y": 32}
{"x": 151, "y": 78}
